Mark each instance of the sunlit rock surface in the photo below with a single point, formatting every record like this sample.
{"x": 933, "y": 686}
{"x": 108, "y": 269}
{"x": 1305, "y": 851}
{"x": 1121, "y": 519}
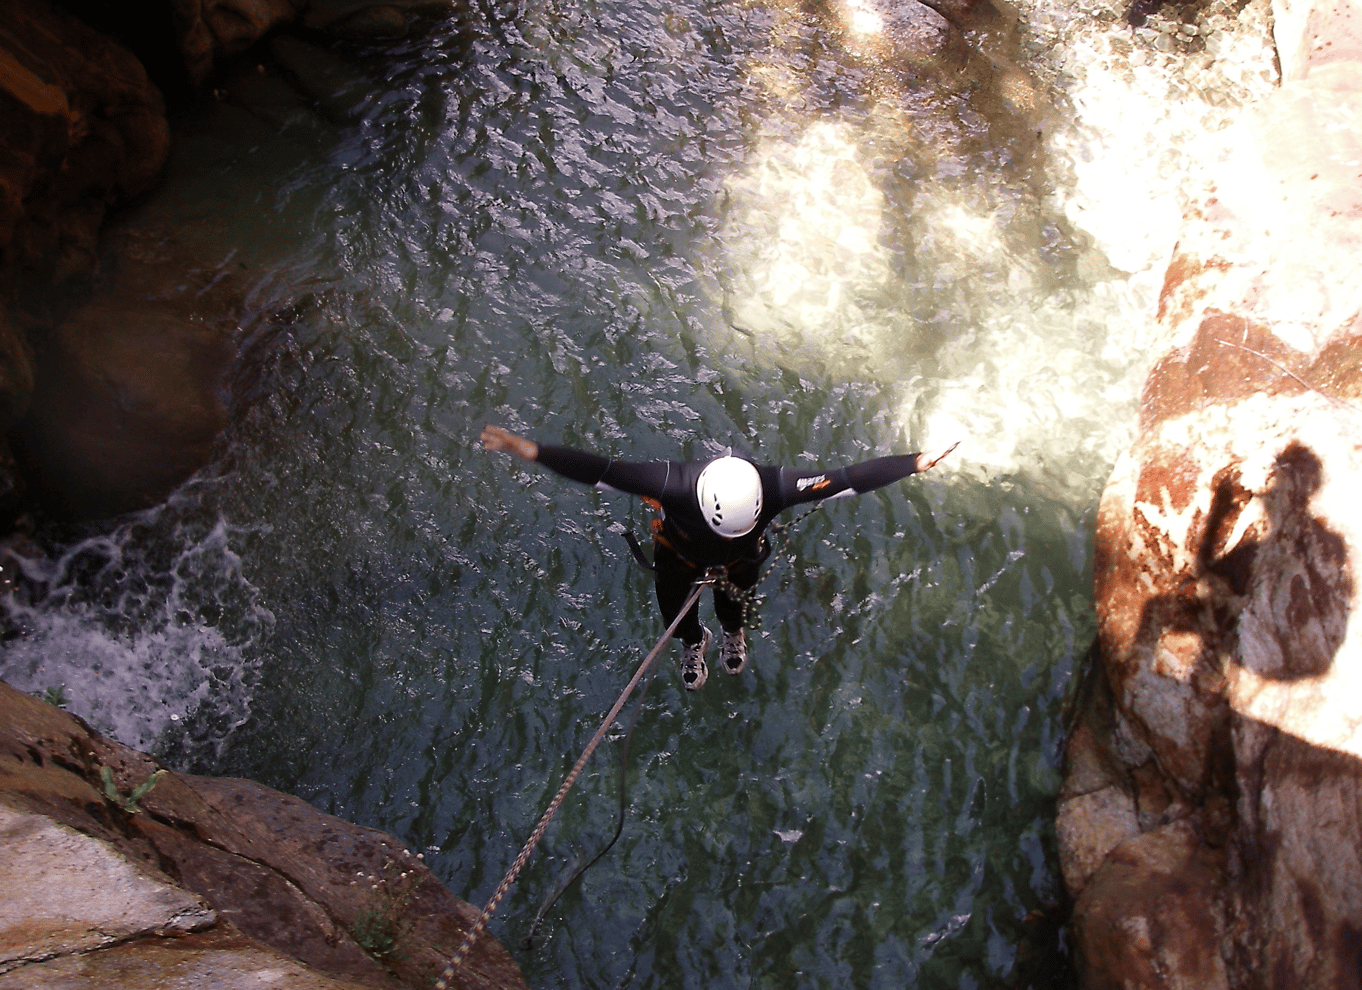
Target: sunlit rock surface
{"x": 1221, "y": 717}
{"x": 201, "y": 882}
{"x": 1140, "y": 105}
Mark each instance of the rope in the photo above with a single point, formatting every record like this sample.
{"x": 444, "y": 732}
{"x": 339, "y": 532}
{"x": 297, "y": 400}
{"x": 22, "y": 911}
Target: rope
{"x": 578, "y": 872}
{"x": 481, "y": 924}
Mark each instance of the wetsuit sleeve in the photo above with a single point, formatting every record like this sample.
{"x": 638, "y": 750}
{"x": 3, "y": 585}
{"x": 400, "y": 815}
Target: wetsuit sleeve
{"x": 797, "y": 487}
{"x": 575, "y": 465}
{"x": 869, "y": 475}
{"x": 648, "y": 479}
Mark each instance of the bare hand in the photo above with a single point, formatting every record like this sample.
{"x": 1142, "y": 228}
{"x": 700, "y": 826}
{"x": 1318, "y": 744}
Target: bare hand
{"x": 927, "y": 461}
{"x": 494, "y": 438}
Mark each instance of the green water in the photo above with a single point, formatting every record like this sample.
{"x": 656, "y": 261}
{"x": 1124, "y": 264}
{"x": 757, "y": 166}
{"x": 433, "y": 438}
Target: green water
{"x": 653, "y": 231}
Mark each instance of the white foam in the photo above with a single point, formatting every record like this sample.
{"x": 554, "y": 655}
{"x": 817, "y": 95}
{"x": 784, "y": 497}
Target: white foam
{"x": 119, "y": 639}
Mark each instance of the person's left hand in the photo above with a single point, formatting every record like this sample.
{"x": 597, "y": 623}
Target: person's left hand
{"x": 498, "y": 439}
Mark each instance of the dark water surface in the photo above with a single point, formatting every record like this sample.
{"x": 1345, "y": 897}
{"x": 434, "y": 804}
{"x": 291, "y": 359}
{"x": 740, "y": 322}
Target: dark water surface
{"x": 651, "y": 230}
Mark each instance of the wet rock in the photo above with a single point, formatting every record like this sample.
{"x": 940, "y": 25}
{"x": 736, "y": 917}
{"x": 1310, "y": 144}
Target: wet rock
{"x": 128, "y": 393}
{"x": 368, "y": 19}
{"x": 262, "y": 92}
{"x": 1148, "y": 916}
{"x": 1097, "y": 809}
{"x": 201, "y": 882}
{"x": 16, "y": 373}
{"x": 125, "y": 408}
{"x": 1226, "y": 581}
{"x": 81, "y": 128}
{"x": 212, "y": 31}
{"x": 336, "y": 86}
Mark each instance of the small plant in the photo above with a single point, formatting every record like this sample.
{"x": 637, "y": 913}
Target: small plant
{"x": 54, "y": 696}
{"x": 381, "y": 922}
{"x": 127, "y": 802}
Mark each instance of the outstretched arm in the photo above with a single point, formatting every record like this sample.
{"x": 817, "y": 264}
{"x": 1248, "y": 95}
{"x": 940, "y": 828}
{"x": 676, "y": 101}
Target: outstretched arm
{"x": 925, "y": 462}
{"x": 648, "y": 479}
{"x": 869, "y": 475}
{"x": 854, "y": 479}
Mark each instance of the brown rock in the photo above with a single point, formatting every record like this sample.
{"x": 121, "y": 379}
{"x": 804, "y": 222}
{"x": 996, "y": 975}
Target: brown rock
{"x": 16, "y": 373}
{"x": 1227, "y": 556}
{"x": 360, "y": 18}
{"x": 221, "y": 958}
{"x": 125, "y": 407}
{"x": 81, "y": 128}
{"x": 57, "y": 885}
{"x": 308, "y": 892}
{"x": 212, "y": 31}
{"x": 1147, "y": 919}
{"x": 128, "y": 393}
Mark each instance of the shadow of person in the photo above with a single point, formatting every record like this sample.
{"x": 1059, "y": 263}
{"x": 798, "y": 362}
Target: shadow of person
{"x": 1242, "y": 678}
{"x": 1252, "y": 626}
{"x": 1292, "y": 575}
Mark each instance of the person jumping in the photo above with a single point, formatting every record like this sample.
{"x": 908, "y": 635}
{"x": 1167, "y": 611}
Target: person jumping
{"x": 711, "y": 513}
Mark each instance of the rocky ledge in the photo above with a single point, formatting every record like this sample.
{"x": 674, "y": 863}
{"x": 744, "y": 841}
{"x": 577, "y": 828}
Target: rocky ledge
{"x": 115, "y": 872}
{"x": 1213, "y": 793}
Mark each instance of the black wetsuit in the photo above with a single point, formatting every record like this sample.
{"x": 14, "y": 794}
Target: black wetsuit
{"x": 684, "y": 546}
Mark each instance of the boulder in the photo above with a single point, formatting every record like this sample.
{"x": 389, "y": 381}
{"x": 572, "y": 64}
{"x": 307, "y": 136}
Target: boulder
{"x": 1227, "y": 549}
{"x": 369, "y": 18}
{"x": 219, "y": 958}
{"x": 339, "y": 90}
{"x": 119, "y": 873}
{"x": 56, "y": 884}
{"x": 1148, "y": 917}
{"x": 128, "y": 395}
{"x": 81, "y": 128}
{"x": 212, "y": 31}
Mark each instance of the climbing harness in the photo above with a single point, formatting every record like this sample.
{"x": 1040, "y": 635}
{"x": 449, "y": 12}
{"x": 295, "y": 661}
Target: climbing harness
{"x": 745, "y": 598}
{"x": 481, "y": 924}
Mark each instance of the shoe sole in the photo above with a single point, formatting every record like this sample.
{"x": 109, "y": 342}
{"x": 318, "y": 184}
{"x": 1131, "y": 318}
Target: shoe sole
{"x": 703, "y": 669}
{"x": 731, "y": 670}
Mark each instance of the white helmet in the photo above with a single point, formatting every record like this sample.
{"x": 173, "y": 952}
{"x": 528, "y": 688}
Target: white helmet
{"x": 729, "y": 489}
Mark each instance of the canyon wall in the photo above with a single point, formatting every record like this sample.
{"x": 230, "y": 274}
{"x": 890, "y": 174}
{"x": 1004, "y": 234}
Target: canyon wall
{"x": 1213, "y": 792}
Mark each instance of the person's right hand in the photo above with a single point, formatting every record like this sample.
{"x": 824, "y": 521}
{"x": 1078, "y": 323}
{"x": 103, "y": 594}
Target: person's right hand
{"x": 496, "y": 439}
{"x": 925, "y": 462}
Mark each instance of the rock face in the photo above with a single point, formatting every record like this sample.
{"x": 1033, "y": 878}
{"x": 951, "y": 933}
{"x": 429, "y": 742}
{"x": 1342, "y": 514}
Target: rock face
{"x": 81, "y": 128}
{"x": 212, "y": 32}
{"x": 111, "y": 360}
{"x": 199, "y": 881}
{"x": 1213, "y": 793}
{"x": 128, "y": 396}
